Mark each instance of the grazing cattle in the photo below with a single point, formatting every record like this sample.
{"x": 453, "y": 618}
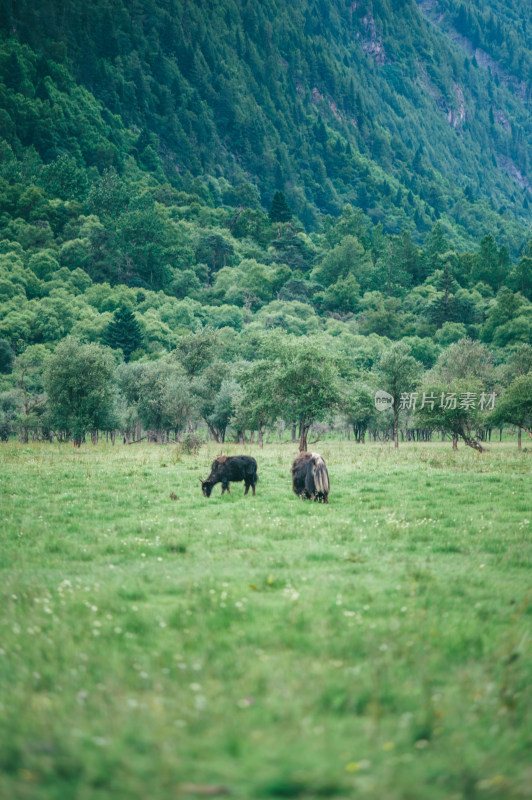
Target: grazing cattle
{"x": 231, "y": 468}
{"x": 310, "y": 479}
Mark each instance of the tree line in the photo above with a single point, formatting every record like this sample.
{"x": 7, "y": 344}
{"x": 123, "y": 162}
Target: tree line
{"x": 83, "y": 389}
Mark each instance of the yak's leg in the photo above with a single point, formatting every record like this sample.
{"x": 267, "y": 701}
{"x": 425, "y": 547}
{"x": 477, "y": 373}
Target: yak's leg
{"x": 225, "y": 486}
{"x": 253, "y": 487}
{"x": 247, "y": 488}
{"x": 310, "y": 488}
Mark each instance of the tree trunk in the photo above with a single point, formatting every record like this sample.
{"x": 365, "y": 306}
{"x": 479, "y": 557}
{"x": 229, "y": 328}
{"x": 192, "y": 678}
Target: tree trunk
{"x": 293, "y": 431}
{"x": 519, "y": 438}
{"x": 303, "y": 431}
{"x": 395, "y": 429}
{"x": 474, "y": 444}
{"x": 455, "y": 442}
{"x": 261, "y": 437}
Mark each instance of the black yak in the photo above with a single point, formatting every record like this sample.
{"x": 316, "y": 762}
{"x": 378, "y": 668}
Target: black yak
{"x": 310, "y": 479}
{"x": 231, "y": 468}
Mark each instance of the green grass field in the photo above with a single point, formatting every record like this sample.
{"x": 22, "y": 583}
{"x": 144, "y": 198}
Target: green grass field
{"x": 265, "y": 647}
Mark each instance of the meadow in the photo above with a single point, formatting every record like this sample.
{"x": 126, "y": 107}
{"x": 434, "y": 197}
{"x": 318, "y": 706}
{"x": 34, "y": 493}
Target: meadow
{"x": 157, "y": 644}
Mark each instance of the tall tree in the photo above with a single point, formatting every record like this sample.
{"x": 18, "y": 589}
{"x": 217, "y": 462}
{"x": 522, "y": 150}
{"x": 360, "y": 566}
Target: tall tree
{"x": 515, "y": 406}
{"x": 302, "y": 382}
{"x": 123, "y": 332}
{"x": 79, "y": 383}
{"x": 279, "y": 208}
{"x": 359, "y": 409}
{"x": 398, "y": 372}
{"x": 454, "y": 408}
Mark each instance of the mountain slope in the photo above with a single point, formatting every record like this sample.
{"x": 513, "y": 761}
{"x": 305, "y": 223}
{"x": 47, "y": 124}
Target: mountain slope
{"x": 333, "y": 102}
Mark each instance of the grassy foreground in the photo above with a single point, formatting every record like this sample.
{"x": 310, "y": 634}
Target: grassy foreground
{"x": 262, "y": 647}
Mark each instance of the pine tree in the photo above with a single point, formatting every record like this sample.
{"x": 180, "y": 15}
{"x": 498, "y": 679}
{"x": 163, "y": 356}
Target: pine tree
{"x": 279, "y": 209}
{"x": 123, "y": 332}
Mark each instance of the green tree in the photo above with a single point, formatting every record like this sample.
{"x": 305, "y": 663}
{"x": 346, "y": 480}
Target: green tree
{"x": 465, "y": 360}
{"x": 210, "y": 399}
{"x": 123, "y": 332}
{"x": 515, "y": 406}
{"x": 225, "y": 405}
{"x": 79, "y": 383}
{"x": 108, "y": 195}
{"x": 302, "y": 380}
{"x": 508, "y": 306}
{"x": 521, "y": 276}
{"x": 63, "y": 178}
{"x": 6, "y": 357}
{"x": 196, "y": 350}
{"x": 259, "y": 405}
{"x": 346, "y": 258}
{"x": 452, "y": 408}
{"x": 490, "y": 265}
{"x": 162, "y": 394}
{"x": 9, "y": 407}
{"x": 279, "y": 208}
{"x": 342, "y": 296}
{"x": 28, "y": 373}
{"x": 520, "y": 361}
{"x": 215, "y": 250}
{"x": 358, "y": 407}
{"x": 398, "y": 373}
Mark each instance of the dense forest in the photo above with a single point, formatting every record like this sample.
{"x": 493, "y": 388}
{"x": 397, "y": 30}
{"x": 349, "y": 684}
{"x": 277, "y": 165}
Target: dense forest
{"x": 196, "y": 196}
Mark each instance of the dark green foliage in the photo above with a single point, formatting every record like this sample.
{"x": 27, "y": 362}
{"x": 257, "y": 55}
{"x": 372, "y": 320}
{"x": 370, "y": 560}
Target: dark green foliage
{"x": 78, "y": 382}
{"x": 515, "y": 407}
{"x": 397, "y": 373}
{"x": 196, "y": 351}
{"x": 449, "y": 408}
{"x": 359, "y": 409}
{"x": 6, "y": 357}
{"x": 160, "y": 393}
{"x": 279, "y": 209}
{"x": 123, "y": 333}
{"x": 296, "y": 380}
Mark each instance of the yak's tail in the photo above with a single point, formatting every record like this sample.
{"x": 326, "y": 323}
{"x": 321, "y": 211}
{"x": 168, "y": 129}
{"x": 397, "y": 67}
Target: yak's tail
{"x": 321, "y": 476}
